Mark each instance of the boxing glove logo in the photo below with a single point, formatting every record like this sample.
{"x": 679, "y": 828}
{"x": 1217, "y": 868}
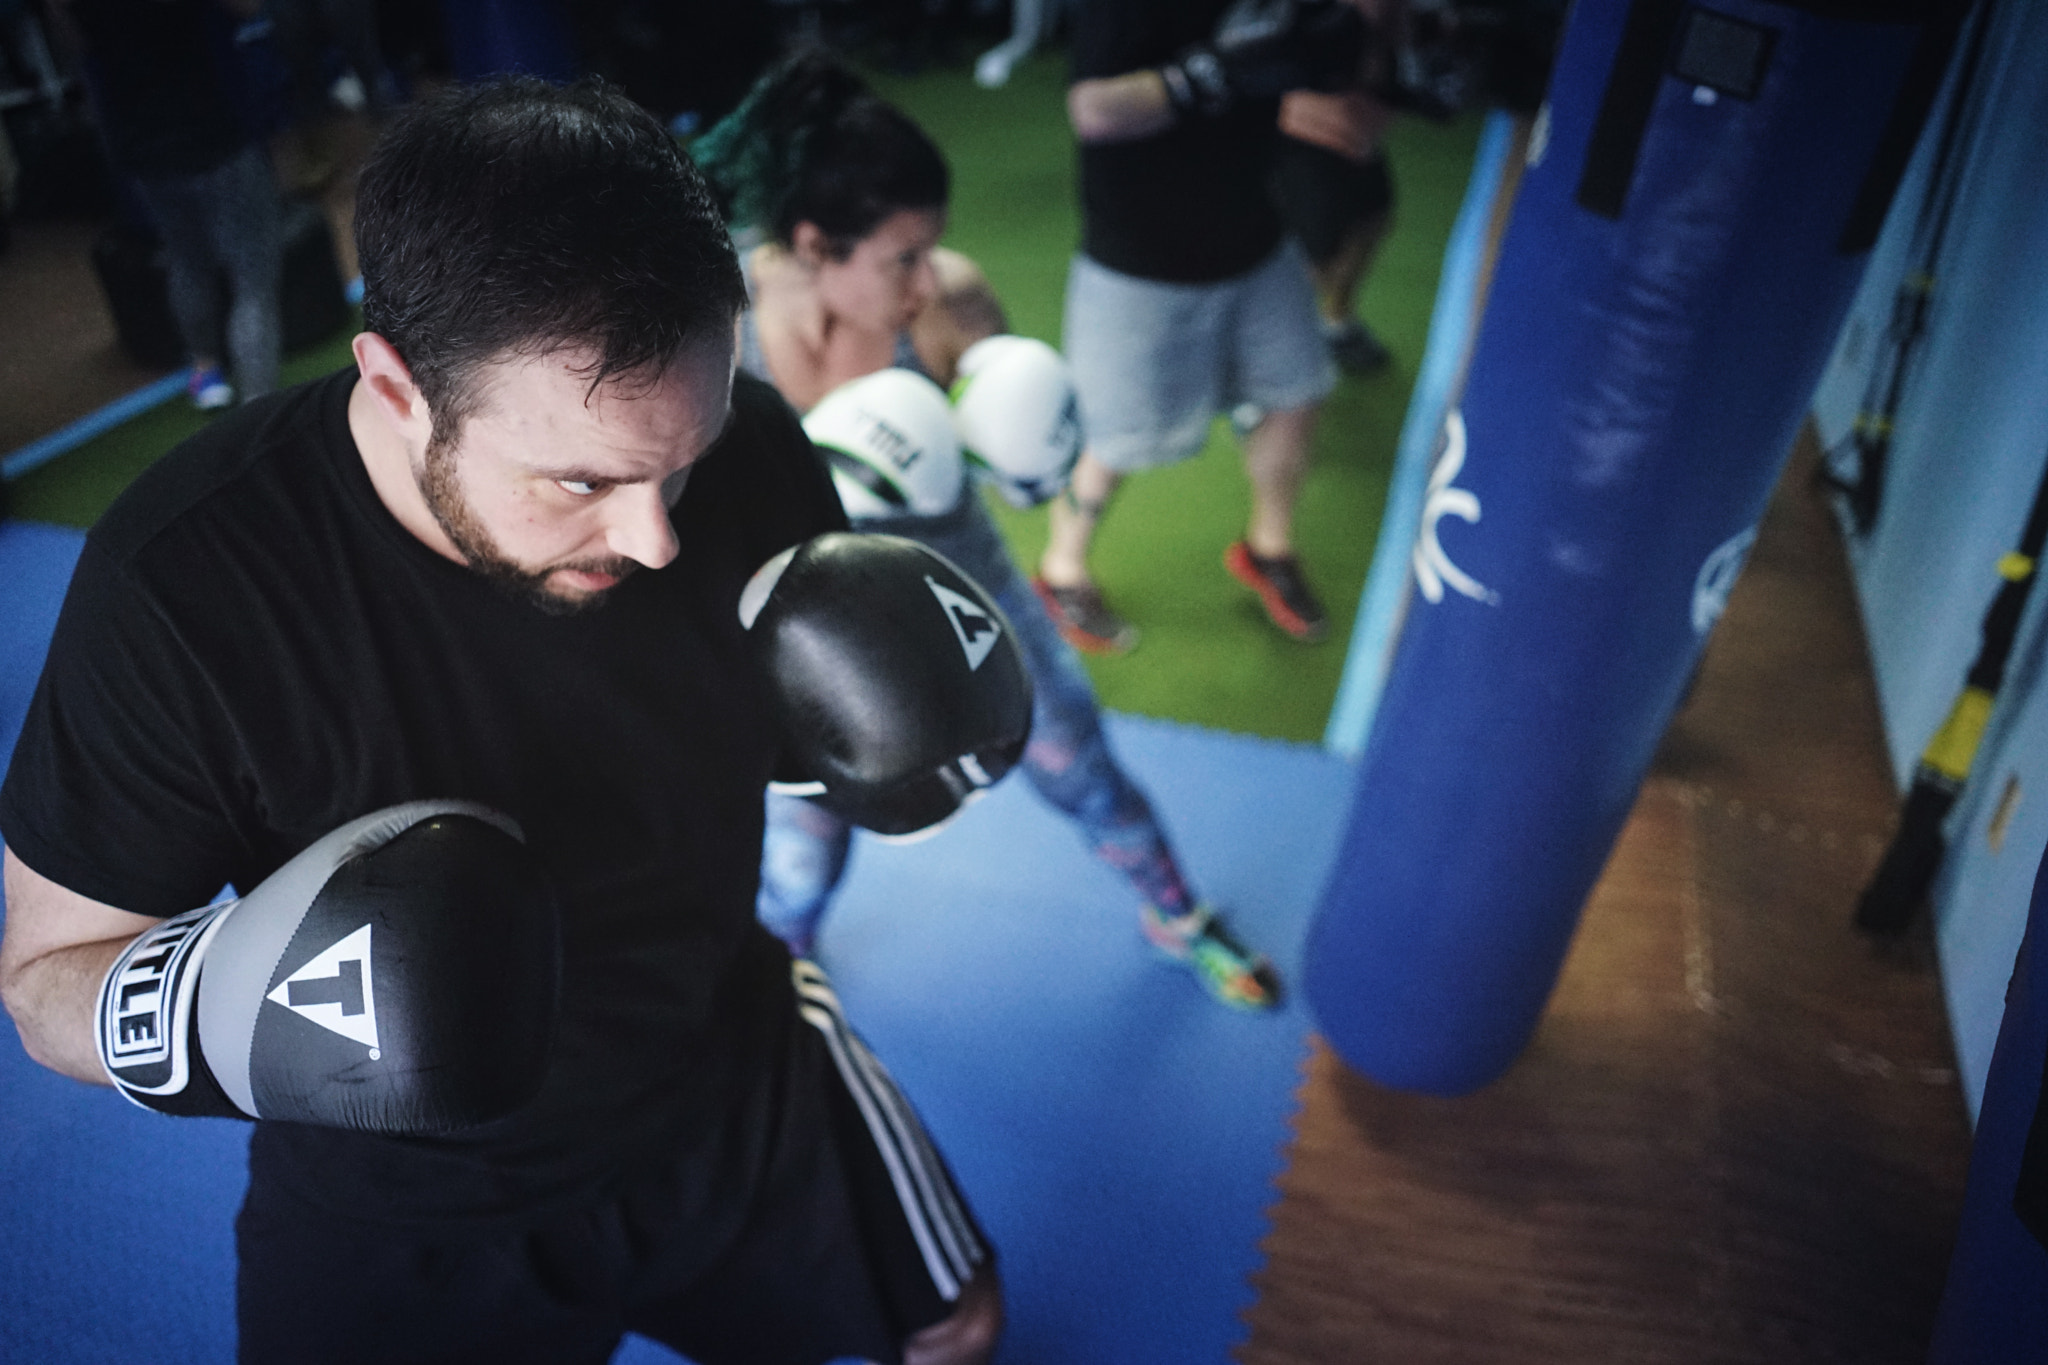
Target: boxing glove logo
{"x": 334, "y": 990}
{"x": 975, "y": 628}
{"x": 146, "y": 1000}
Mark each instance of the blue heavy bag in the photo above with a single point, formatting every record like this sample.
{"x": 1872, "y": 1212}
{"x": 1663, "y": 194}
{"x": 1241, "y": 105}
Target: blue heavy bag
{"x": 1995, "y": 1307}
{"x": 1702, "y": 194}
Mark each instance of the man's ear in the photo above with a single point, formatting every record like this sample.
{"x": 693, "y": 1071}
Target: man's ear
{"x": 389, "y": 382}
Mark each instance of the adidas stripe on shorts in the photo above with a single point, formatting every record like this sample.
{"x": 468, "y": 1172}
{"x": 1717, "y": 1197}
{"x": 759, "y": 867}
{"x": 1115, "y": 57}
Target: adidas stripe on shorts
{"x": 841, "y": 1233}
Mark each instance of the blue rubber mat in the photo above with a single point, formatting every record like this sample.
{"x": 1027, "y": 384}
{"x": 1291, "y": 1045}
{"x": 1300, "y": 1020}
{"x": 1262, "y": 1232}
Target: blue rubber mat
{"x": 115, "y": 1237}
{"x": 1116, "y": 1130}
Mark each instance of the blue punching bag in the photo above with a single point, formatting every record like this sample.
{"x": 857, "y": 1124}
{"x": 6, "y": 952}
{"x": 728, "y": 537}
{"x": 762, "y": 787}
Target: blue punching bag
{"x": 1702, "y": 192}
{"x": 1995, "y": 1307}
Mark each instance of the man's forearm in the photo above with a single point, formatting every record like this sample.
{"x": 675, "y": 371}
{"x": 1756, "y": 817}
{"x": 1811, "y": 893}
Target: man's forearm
{"x": 57, "y": 949}
{"x": 1120, "y": 108}
{"x": 52, "y": 999}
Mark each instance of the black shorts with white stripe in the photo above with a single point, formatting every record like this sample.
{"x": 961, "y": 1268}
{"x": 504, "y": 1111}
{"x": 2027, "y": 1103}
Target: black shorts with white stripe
{"x": 858, "y": 1236}
{"x": 900, "y": 1181}
{"x": 821, "y": 1224}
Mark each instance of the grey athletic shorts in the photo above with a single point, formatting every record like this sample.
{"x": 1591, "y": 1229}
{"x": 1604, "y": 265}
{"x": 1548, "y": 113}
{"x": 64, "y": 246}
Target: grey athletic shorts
{"x": 1155, "y": 362}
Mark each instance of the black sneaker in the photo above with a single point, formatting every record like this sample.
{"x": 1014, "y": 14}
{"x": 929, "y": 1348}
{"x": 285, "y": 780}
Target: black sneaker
{"x": 1355, "y": 349}
{"x": 1084, "y": 620}
{"x": 1278, "y": 581}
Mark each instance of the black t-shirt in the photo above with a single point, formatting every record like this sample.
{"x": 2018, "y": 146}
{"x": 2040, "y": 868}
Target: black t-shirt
{"x": 162, "y": 76}
{"x": 254, "y": 651}
{"x": 1188, "y": 205}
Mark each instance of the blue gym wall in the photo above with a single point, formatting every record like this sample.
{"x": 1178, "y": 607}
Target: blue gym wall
{"x": 1969, "y": 448}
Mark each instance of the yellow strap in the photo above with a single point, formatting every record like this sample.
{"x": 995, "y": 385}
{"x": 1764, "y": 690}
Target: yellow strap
{"x": 1954, "y": 746}
{"x": 2015, "y": 567}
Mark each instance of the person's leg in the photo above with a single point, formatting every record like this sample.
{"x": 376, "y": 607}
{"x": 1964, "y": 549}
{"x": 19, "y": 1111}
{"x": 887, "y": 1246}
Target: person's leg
{"x": 1338, "y": 209}
{"x": 803, "y": 857}
{"x": 1276, "y": 461}
{"x": 316, "y": 1289}
{"x": 1285, "y": 372}
{"x": 1070, "y": 763}
{"x": 1276, "y": 457}
{"x": 248, "y": 230}
{"x": 1147, "y": 360}
{"x": 1340, "y": 273}
{"x": 969, "y": 1335}
{"x": 1073, "y": 518}
{"x": 180, "y": 208}
{"x": 857, "y": 1240}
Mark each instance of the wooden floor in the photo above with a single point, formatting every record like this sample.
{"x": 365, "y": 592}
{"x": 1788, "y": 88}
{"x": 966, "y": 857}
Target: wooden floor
{"x": 1738, "y": 1136}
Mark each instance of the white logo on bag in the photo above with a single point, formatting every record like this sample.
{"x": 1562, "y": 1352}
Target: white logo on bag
{"x": 1717, "y": 579}
{"x": 334, "y": 991}
{"x": 977, "y": 629}
{"x": 890, "y": 441}
{"x": 1433, "y": 567}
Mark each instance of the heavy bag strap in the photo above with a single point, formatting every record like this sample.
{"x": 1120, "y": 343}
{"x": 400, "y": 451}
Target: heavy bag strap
{"x": 1646, "y": 38}
{"x": 1731, "y": 55}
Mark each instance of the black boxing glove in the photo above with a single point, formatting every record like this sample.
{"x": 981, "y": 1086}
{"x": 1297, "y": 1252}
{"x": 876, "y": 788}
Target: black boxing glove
{"x": 1262, "y": 49}
{"x": 400, "y": 975}
{"x": 899, "y": 685}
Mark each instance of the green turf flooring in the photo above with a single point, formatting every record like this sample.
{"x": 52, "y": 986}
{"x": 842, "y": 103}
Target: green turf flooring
{"x": 1208, "y": 655}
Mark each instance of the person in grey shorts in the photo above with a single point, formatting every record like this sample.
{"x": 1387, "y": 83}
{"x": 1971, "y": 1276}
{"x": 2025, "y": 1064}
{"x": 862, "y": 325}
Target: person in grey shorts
{"x": 1187, "y": 299}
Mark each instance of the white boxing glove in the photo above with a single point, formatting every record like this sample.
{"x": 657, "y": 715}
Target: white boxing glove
{"x": 1017, "y": 416}
{"x": 889, "y": 439}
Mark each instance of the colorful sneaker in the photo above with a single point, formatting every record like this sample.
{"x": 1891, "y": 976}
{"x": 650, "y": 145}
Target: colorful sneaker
{"x": 208, "y": 389}
{"x": 1233, "y": 973}
{"x": 1355, "y": 349}
{"x": 1279, "y": 583}
{"x": 1084, "y": 621}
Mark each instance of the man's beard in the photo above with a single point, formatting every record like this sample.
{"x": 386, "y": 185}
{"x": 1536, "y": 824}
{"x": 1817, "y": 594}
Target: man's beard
{"x": 459, "y": 522}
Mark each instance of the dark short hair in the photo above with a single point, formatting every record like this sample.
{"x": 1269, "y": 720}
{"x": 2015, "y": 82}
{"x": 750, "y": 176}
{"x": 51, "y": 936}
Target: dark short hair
{"x": 516, "y": 217}
{"x": 811, "y": 143}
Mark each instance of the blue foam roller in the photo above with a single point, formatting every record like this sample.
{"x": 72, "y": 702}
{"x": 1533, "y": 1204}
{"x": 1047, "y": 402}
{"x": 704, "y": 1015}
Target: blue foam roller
{"x": 1685, "y": 245}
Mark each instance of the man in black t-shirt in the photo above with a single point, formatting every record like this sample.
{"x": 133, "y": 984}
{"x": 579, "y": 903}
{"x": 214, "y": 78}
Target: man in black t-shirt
{"x": 1186, "y": 300}
{"x": 500, "y": 562}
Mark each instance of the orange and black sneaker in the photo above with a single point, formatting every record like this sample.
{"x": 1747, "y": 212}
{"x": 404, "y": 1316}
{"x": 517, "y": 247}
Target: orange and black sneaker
{"x": 1084, "y": 620}
{"x": 1278, "y": 581}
